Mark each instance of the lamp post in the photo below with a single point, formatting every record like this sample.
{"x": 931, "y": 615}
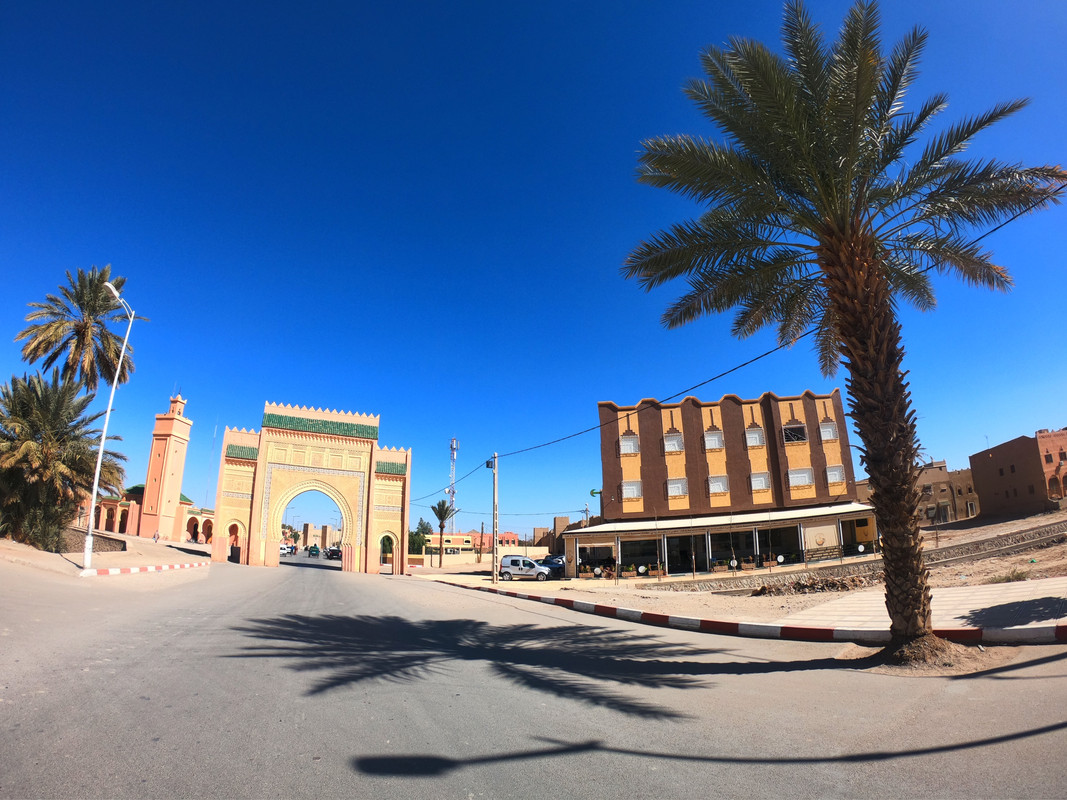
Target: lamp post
{"x": 88, "y": 558}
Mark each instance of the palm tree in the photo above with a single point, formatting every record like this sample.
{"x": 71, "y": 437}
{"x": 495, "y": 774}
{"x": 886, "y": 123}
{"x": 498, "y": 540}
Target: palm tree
{"x": 48, "y": 450}
{"x": 821, "y": 215}
{"x": 72, "y": 329}
{"x": 444, "y": 512}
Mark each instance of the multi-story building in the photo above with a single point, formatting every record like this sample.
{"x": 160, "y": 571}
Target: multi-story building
{"x": 1022, "y": 476}
{"x": 691, "y": 483}
{"x": 945, "y": 495}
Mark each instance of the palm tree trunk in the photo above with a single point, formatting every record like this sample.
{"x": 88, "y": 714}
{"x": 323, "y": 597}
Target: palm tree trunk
{"x": 880, "y": 404}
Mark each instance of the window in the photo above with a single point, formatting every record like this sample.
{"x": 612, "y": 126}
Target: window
{"x": 801, "y": 477}
{"x": 631, "y": 490}
{"x": 713, "y": 440}
{"x": 1001, "y": 470}
{"x": 1048, "y": 458}
{"x": 1030, "y": 489}
{"x": 794, "y": 433}
{"x": 828, "y": 431}
{"x": 835, "y": 474}
{"x": 761, "y": 480}
{"x": 718, "y": 484}
{"x": 1012, "y": 469}
{"x": 754, "y": 437}
{"x": 672, "y": 443}
{"x": 677, "y": 487}
{"x": 629, "y": 444}
{"x": 928, "y": 488}
{"x": 1063, "y": 456}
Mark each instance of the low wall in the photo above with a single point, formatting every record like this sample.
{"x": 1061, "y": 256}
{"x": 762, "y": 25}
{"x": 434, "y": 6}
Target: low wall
{"x": 997, "y": 545}
{"x": 73, "y": 541}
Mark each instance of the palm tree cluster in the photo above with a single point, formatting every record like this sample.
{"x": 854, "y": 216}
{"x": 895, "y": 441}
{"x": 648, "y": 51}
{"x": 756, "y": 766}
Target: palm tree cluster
{"x": 822, "y": 213}
{"x": 48, "y": 442}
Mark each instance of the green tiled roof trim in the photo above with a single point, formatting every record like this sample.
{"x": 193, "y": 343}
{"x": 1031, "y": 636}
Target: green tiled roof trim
{"x": 326, "y": 426}
{"x": 391, "y": 468}
{"x": 242, "y": 451}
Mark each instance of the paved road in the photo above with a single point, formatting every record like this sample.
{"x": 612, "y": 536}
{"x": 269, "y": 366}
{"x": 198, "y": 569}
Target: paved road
{"x": 306, "y": 682}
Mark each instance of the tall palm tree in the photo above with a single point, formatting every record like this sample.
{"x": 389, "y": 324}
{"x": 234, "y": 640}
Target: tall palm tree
{"x": 444, "y": 512}
{"x": 821, "y": 214}
{"x": 48, "y": 448}
{"x": 71, "y": 329}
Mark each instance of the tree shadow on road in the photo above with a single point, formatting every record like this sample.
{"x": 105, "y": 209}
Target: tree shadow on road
{"x": 562, "y": 661}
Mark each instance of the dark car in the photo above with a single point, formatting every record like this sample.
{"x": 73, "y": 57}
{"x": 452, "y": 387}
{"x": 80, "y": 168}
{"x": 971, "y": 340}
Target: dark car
{"x": 333, "y": 552}
{"x": 557, "y": 568}
{"x": 313, "y": 551}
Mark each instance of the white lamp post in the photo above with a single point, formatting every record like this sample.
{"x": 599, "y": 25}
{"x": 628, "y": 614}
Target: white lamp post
{"x": 103, "y": 433}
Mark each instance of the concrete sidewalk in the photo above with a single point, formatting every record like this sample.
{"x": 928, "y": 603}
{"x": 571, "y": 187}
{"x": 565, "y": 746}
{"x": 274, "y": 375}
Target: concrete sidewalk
{"x": 1023, "y": 612}
{"x": 141, "y": 555}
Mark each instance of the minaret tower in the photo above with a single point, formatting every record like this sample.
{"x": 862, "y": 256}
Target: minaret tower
{"x": 160, "y": 511}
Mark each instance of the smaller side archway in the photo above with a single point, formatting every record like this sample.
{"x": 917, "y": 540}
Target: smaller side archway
{"x": 388, "y": 552}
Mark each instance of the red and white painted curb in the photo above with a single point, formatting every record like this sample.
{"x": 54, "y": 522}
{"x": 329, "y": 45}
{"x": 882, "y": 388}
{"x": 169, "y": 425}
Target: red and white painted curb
{"x": 1044, "y": 634}
{"x": 91, "y": 573}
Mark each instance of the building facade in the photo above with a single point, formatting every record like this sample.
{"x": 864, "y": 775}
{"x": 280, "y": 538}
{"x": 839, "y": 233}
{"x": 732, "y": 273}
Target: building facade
{"x": 692, "y": 483}
{"x": 298, "y": 450}
{"x": 1022, "y": 476}
{"x": 944, "y": 495}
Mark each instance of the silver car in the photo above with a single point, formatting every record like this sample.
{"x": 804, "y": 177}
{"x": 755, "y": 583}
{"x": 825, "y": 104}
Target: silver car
{"x": 522, "y": 567}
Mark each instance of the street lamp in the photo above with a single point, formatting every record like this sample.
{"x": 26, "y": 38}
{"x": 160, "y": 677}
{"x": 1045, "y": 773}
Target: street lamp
{"x": 88, "y": 559}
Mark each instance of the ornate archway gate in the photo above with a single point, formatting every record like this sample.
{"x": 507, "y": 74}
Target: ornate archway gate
{"x": 306, "y": 449}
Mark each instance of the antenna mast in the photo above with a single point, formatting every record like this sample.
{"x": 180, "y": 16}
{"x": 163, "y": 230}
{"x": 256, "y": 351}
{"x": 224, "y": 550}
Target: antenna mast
{"x": 454, "y": 448}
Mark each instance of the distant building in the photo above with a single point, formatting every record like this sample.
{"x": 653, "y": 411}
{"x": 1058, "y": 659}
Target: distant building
{"x": 471, "y": 541}
{"x": 1022, "y": 476}
{"x": 945, "y": 495}
{"x": 552, "y": 537}
{"x": 691, "y": 483}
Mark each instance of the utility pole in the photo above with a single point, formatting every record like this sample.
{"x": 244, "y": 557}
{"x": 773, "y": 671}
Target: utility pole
{"x": 496, "y": 516}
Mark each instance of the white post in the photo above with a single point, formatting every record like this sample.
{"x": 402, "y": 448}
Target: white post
{"x": 88, "y": 555}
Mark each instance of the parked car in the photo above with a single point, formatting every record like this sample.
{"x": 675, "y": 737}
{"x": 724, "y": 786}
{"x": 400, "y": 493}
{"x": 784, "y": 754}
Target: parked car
{"x": 283, "y": 550}
{"x": 522, "y": 567}
{"x": 313, "y": 551}
{"x": 333, "y": 552}
{"x": 556, "y": 566}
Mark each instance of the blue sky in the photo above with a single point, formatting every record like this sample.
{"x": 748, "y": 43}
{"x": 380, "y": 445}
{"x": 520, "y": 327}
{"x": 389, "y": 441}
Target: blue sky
{"x": 419, "y": 210}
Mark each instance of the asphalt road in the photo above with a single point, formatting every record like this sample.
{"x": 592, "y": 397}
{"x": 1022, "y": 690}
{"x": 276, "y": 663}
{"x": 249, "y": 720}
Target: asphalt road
{"x": 303, "y": 681}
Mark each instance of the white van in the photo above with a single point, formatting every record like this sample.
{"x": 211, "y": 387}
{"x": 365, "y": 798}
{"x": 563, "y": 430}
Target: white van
{"x": 522, "y": 567}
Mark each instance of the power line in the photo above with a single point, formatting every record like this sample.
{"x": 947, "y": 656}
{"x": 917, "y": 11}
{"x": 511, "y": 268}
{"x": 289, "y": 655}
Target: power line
{"x": 1048, "y": 195}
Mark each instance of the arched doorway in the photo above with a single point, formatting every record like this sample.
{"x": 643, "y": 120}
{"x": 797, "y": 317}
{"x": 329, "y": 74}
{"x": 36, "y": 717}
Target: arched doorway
{"x": 235, "y": 535}
{"x": 192, "y": 530}
{"x": 208, "y": 527}
{"x": 312, "y": 517}
{"x": 385, "y": 559}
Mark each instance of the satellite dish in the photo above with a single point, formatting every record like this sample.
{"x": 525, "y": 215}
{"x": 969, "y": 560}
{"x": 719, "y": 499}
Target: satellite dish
{"x": 860, "y": 548}
{"x": 733, "y": 563}
{"x": 781, "y": 559}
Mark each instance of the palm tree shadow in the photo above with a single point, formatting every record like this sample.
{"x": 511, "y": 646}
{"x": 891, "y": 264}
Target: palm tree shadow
{"x": 346, "y": 650}
{"x": 1021, "y": 612}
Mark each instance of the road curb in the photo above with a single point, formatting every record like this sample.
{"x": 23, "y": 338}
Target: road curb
{"x": 1044, "y": 634}
{"x": 94, "y": 573}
